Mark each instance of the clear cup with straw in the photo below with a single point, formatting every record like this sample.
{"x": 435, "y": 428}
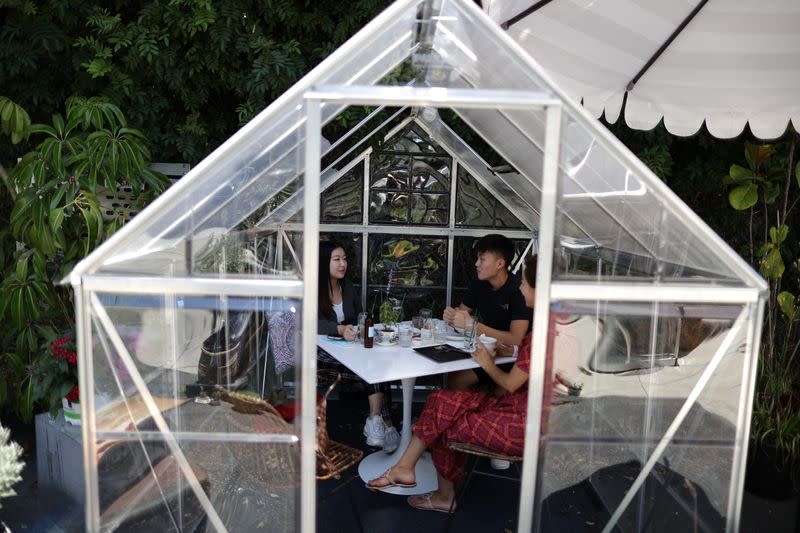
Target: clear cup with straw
{"x": 469, "y": 334}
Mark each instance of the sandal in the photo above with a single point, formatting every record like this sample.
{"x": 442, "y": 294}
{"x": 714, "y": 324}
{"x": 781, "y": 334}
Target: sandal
{"x": 391, "y": 483}
{"x": 423, "y": 503}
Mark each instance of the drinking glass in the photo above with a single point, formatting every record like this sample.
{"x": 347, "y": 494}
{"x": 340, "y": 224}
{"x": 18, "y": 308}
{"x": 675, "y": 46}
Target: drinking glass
{"x": 425, "y": 316}
{"x": 469, "y": 335}
{"x": 440, "y": 331}
{"x": 404, "y": 335}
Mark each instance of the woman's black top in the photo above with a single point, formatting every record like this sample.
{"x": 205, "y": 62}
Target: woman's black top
{"x": 351, "y": 304}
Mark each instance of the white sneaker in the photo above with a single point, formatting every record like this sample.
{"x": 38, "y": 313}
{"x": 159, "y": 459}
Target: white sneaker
{"x": 374, "y": 430}
{"x": 499, "y": 464}
{"x": 391, "y": 439}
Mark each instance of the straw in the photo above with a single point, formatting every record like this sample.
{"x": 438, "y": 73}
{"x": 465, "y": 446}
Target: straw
{"x": 474, "y": 327}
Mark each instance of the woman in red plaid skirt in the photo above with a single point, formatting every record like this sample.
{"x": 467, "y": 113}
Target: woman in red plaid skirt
{"x": 494, "y": 421}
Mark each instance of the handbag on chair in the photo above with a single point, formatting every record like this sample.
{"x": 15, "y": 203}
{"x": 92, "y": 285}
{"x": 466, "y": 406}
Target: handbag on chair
{"x": 226, "y": 354}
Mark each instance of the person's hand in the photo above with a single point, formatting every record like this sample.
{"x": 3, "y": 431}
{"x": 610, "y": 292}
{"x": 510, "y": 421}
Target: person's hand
{"x": 448, "y": 314}
{"x": 349, "y": 333}
{"x": 484, "y": 357}
{"x": 462, "y": 320}
{"x": 505, "y": 350}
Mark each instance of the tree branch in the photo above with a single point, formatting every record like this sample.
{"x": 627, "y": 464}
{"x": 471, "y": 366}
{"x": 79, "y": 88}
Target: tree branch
{"x": 786, "y": 187}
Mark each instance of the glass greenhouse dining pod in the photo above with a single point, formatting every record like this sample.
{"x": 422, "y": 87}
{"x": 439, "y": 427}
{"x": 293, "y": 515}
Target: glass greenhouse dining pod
{"x": 427, "y": 129}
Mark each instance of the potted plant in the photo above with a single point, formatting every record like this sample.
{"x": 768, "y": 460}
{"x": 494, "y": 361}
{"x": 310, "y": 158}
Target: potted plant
{"x": 54, "y": 377}
{"x": 53, "y": 218}
{"x": 764, "y": 190}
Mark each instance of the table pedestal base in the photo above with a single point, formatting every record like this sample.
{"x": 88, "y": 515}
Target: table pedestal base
{"x": 379, "y": 462}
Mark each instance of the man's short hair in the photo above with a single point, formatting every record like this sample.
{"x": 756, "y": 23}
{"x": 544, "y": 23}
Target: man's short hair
{"x": 498, "y": 244}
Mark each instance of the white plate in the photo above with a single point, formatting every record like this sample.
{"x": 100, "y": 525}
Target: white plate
{"x": 386, "y": 343}
{"x": 455, "y": 337}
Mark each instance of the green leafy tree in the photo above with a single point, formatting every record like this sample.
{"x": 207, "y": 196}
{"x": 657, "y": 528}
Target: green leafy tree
{"x": 188, "y": 72}
{"x": 54, "y": 221}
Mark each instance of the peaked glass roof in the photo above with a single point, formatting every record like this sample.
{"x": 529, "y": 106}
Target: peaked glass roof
{"x": 612, "y": 208}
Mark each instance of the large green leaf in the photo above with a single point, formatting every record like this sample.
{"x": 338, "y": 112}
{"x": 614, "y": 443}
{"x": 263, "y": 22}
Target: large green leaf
{"x": 744, "y": 196}
{"x": 740, "y": 173}
{"x": 757, "y": 153}
{"x": 22, "y": 265}
{"x": 56, "y": 218}
{"x": 772, "y": 266}
{"x": 778, "y": 235}
{"x": 786, "y": 302}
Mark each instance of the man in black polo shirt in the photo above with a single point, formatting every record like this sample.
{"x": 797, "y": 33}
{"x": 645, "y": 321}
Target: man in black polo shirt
{"x": 501, "y": 309}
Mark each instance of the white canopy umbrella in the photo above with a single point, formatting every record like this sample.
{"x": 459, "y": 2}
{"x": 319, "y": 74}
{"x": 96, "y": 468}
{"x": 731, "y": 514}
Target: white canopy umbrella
{"x": 728, "y": 62}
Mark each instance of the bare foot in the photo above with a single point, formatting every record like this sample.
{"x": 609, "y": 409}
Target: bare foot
{"x": 432, "y": 501}
{"x": 394, "y": 477}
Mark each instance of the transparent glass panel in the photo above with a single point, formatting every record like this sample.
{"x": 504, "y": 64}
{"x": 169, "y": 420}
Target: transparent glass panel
{"x": 206, "y": 362}
{"x": 618, "y": 375}
{"x": 390, "y": 171}
{"x": 268, "y": 153}
{"x": 343, "y": 201}
{"x": 406, "y": 266}
{"x": 464, "y": 258}
{"x": 431, "y": 174}
{"x": 477, "y": 207}
{"x": 250, "y": 485}
{"x": 388, "y": 207}
{"x": 407, "y": 186}
{"x": 430, "y": 209}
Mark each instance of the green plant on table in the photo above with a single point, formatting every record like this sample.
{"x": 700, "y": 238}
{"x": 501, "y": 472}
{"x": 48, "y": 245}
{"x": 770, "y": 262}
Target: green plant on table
{"x": 388, "y": 314}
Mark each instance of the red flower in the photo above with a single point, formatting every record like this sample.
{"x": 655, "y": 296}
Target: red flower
{"x": 73, "y": 395}
{"x": 63, "y": 348}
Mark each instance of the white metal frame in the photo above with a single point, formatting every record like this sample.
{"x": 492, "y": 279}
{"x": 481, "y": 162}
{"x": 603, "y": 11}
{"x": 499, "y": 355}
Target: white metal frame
{"x": 365, "y": 228}
{"x": 450, "y": 98}
{"x": 556, "y": 102}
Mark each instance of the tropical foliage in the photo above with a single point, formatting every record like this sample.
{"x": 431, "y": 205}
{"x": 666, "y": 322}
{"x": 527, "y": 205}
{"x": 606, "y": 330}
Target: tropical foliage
{"x": 188, "y": 72}
{"x": 767, "y": 186}
{"x": 53, "y": 220}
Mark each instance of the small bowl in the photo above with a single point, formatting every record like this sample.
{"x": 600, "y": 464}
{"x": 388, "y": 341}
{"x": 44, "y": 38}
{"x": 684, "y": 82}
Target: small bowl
{"x": 385, "y": 336}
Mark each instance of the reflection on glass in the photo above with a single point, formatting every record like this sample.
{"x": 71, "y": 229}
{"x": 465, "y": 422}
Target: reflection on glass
{"x": 391, "y": 207}
{"x": 408, "y": 261}
{"x": 342, "y": 201}
{"x": 620, "y": 374}
{"x": 477, "y": 207}
{"x": 412, "y": 270}
{"x": 431, "y": 174}
{"x": 402, "y": 182}
{"x": 412, "y": 299}
{"x": 390, "y": 171}
{"x": 414, "y": 140}
{"x": 430, "y": 209}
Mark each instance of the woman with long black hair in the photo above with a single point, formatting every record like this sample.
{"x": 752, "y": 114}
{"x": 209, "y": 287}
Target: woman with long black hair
{"x": 339, "y": 305}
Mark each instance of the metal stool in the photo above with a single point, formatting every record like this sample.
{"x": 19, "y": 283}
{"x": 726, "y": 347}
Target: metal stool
{"x": 475, "y": 452}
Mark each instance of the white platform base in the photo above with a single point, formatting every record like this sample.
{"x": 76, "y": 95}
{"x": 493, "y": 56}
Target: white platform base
{"x": 377, "y": 463}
